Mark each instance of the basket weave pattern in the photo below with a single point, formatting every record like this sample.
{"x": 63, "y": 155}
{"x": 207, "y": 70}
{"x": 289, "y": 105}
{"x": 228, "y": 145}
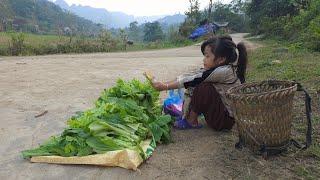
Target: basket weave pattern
{"x": 263, "y": 112}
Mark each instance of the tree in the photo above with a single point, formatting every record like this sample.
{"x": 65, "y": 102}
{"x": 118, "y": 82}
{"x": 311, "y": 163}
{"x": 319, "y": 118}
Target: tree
{"x": 193, "y": 19}
{"x": 210, "y": 11}
{"x": 23, "y": 8}
{"x": 264, "y": 14}
{"x": 227, "y": 13}
{"x": 174, "y": 36}
{"x": 134, "y": 31}
{"x": 194, "y": 14}
{"x": 107, "y": 42}
{"x": 124, "y": 38}
{"x": 238, "y": 6}
{"x": 152, "y": 31}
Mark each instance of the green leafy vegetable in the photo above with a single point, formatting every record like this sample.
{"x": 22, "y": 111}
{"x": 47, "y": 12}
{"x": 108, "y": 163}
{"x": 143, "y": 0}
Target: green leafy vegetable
{"x": 124, "y": 116}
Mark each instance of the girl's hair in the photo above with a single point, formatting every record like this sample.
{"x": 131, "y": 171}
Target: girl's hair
{"x": 224, "y": 47}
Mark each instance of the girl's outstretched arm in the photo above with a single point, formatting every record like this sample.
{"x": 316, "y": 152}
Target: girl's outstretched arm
{"x": 161, "y": 86}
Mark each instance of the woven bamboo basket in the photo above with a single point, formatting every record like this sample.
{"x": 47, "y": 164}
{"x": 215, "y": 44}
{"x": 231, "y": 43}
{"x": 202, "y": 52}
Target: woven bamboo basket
{"x": 263, "y": 113}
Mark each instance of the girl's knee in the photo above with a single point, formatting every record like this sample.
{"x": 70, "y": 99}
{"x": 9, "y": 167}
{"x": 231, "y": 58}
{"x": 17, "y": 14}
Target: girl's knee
{"x": 205, "y": 88}
{"x": 205, "y": 85}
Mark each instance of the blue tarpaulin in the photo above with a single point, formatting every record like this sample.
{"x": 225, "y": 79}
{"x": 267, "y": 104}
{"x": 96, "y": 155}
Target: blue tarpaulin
{"x": 203, "y": 30}
{"x": 200, "y": 31}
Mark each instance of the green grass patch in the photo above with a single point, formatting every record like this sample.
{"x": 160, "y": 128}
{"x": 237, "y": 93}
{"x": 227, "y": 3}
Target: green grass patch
{"x": 33, "y": 39}
{"x": 279, "y": 61}
{"x": 309, "y": 173}
{"x": 54, "y": 44}
{"x": 314, "y": 151}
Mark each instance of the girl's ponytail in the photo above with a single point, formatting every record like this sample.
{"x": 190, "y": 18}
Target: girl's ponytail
{"x": 242, "y": 62}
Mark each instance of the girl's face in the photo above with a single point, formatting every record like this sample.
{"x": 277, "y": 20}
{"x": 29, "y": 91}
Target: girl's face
{"x": 209, "y": 60}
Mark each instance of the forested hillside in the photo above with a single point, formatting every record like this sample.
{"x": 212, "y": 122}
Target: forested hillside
{"x": 43, "y": 17}
{"x": 295, "y": 20}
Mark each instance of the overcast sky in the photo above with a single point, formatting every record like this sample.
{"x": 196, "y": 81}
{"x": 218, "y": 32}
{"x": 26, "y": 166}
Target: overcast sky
{"x": 143, "y": 7}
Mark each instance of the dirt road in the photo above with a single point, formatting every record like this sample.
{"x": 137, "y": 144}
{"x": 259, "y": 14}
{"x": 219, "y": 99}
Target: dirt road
{"x": 64, "y": 84}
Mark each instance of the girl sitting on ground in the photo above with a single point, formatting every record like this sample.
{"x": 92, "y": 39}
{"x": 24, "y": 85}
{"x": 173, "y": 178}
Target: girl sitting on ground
{"x": 224, "y": 66}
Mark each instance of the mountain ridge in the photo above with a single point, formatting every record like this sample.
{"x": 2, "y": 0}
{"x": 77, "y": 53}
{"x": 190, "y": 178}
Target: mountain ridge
{"x": 116, "y": 19}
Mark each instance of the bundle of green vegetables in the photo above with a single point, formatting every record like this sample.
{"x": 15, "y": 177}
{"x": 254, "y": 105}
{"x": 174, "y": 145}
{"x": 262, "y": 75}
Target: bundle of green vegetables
{"x": 123, "y": 117}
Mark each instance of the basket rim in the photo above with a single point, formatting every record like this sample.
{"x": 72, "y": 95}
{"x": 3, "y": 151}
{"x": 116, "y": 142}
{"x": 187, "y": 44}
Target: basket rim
{"x": 231, "y": 93}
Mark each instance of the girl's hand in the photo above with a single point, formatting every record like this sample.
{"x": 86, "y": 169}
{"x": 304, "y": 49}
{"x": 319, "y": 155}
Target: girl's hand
{"x": 161, "y": 86}
{"x": 155, "y": 84}
{"x": 149, "y": 76}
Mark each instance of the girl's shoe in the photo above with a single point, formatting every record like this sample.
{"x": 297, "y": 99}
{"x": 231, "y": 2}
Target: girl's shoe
{"x": 183, "y": 124}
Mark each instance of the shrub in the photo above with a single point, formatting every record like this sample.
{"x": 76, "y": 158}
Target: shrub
{"x": 17, "y": 43}
{"x": 4, "y": 51}
{"x": 312, "y": 36}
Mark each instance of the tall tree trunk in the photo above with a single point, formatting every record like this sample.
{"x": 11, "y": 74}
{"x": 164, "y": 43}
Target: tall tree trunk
{"x": 209, "y": 12}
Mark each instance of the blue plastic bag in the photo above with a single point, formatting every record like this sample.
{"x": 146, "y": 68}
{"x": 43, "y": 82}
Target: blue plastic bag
{"x": 173, "y": 104}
